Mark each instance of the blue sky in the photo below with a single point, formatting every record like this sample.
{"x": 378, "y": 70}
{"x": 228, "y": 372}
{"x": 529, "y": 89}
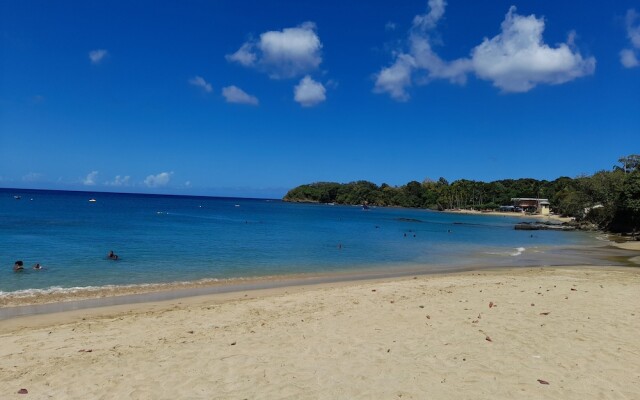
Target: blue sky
{"x": 252, "y": 98}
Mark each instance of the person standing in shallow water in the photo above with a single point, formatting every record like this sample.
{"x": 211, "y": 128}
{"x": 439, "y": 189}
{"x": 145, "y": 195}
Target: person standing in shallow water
{"x": 18, "y": 266}
{"x": 112, "y": 255}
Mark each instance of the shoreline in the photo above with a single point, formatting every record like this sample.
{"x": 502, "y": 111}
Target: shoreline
{"x": 507, "y": 333}
{"x": 39, "y": 303}
{"x": 547, "y": 218}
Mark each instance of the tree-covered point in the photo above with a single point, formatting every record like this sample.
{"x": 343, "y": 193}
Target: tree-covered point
{"x": 610, "y": 199}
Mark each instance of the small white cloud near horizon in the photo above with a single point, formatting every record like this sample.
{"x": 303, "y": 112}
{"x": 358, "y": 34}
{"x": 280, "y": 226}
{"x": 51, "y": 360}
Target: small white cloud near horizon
{"x": 629, "y": 57}
{"x": 90, "y": 179}
{"x": 234, "y": 94}
{"x": 97, "y": 56}
{"x": 32, "y": 177}
{"x": 199, "y": 81}
{"x": 515, "y": 60}
{"x": 119, "y": 181}
{"x": 309, "y": 92}
{"x": 161, "y": 179}
{"x": 284, "y": 54}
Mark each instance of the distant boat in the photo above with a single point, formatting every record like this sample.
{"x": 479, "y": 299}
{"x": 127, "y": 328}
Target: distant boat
{"x": 17, "y": 197}
{"x": 92, "y": 200}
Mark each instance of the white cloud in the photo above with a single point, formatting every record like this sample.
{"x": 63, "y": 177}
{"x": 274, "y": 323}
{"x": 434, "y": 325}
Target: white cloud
{"x": 161, "y": 179}
{"x": 309, "y": 92}
{"x": 199, "y": 81}
{"x": 515, "y": 60}
{"x": 234, "y": 94}
{"x": 96, "y": 56}
{"x": 244, "y": 56}
{"x": 396, "y": 78}
{"x": 119, "y": 181}
{"x": 32, "y": 177}
{"x": 90, "y": 179}
{"x": 629, "y": 57}
{"x": 288, "y": 53}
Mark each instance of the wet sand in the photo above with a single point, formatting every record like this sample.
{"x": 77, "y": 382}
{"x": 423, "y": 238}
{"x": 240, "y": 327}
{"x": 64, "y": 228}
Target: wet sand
{"x": 567, "y": 333}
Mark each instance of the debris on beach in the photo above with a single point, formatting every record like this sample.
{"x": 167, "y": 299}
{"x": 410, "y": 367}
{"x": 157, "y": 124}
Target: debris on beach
{"x": 488, "y": 339}
{"x": 490, "y": 304}
{"x": 233, "y": 344}
{"x": 23, "y": 391}
{"x": 545, "y": 313}
{"x": 543, "y": 382}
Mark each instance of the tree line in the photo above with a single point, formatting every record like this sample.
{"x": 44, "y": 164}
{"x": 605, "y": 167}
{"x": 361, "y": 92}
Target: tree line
{"x": 609, "y": 198}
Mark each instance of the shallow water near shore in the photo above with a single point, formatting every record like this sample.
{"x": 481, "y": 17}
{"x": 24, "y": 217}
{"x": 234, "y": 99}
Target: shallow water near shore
{"x": 167, "y": 239}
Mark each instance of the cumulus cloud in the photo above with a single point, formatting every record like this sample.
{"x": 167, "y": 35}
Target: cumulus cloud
{"x": 161, "y": 179}
{"x": 199, "y": 81}
{"x": 234, "y": 94}
{"x": 119, "y": 181}
{"x": 90, "y": 179}
{"x": 244, "y": 56}
{"x": 515, "y": 60}
{"x": 629, "y": 57}
{"x": 97, "y": 56}
{"x": 309, "y": 92}
{"x": 283, "y": 54}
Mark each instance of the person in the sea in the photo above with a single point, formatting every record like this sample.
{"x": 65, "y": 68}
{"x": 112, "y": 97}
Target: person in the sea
{"x": 18, "y": 266}
{"x": 37, "y": 266}
{"x": 112, "y": 256}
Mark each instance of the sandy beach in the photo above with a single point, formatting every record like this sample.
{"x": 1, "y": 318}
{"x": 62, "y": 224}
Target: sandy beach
{"x": 545, "y": 218}
{"x": 545, "y": 333}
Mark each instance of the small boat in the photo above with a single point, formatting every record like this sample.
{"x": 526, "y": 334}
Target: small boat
{"x": 92, "y": 200}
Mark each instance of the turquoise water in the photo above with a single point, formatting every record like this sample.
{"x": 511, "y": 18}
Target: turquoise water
{"x": 169, "y": 238}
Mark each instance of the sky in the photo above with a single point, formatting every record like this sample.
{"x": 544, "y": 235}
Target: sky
{"x": 252, "y": 98}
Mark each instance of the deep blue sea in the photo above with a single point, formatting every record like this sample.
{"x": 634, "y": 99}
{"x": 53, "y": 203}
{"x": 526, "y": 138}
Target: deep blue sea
{"x": 176, "y": 238}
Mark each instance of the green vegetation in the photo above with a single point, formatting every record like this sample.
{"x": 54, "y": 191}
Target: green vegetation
{"x": 609, "y": 199}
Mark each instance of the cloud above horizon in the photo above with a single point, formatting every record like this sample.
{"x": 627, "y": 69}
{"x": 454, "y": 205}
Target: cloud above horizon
{"x": 97, "y": 56}
{"x": 199, "y": 81}
{"x": 161, "y": 179}
{"x": 630, "y": 57}
{"x": 90, "y": 179}
{"x": 309, "y": 92}
{"x": 284, "y": 54}
{"x": 32, "y": 177}
{"x": 234, "y": 94}
{"x": 515, "y": 60}
{"x": 119, "y": 181}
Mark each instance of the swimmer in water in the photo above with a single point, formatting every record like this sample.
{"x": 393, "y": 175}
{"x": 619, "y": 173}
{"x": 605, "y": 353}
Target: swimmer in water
{"x": 18, "y": 266}
{"x": 112, "y": 256}
{"x": 37, "y": 266}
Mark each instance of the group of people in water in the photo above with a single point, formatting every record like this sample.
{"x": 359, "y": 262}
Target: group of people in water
{"x": 18, "y": 266}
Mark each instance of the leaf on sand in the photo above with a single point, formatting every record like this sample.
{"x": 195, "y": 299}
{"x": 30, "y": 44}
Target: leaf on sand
{"x": 543, "y": 382}
{"x": 233, "y": 344}
{"x": 23, "y": 391}
{"x": 488, "y": 339}
{"x": 545, "y": 313}
{"x": 490, "y": 304}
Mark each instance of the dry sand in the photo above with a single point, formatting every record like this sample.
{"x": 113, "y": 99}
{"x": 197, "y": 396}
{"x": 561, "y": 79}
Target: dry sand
{"x": 474, "y": 335}
{"x": 544, "y": 218}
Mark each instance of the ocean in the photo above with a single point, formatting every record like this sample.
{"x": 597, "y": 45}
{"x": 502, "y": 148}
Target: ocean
{"x": 164, "y": 239}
